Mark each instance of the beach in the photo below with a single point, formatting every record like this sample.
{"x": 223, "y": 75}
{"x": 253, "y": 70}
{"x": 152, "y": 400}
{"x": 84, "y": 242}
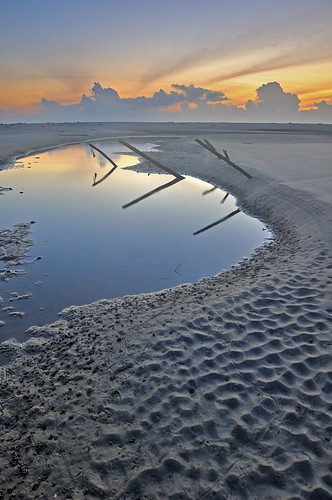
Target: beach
{"x": 216, "y": 389}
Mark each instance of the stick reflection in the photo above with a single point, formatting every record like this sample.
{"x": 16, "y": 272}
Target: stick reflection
{"x": 224, "y": 198}
{"x": 218, "y": 222}
{"x": 150, "y": 193}
{"x": 177, "y": 176}
{"x": 95, "y": 183}
{"x": 209, "y": 190}
{"x": 115, "y": 166}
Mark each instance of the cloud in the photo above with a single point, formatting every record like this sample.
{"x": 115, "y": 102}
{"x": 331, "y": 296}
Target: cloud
{"x": 182, "y": 103}
{"x": 104, "y": 94}
{"x": 179, "y": 63}
{"x": 197, "y": 94}
{"x": 160, "y": 99}
{"x": 251, "y": 48}
{"x": 322, "y": 112}
{"x": 106, "y": 104}
{"x": 273, "y": 104}
{"x": 287, "y": 59}
{"x": 323, "y": 107}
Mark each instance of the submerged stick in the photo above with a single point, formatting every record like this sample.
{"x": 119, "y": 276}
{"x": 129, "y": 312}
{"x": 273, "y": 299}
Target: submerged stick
{"x": 150, "y": 193}
{"x": 210, "y": 148}
{"x": 137, "y": 151}
{"x": 218, "y": 222}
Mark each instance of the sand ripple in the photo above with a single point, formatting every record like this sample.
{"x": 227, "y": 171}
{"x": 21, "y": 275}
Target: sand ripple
{"x": 230, "y": 399}
{"x": 222, "y": 389}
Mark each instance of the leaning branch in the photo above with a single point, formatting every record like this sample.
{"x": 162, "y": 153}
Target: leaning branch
{"x": 144, "y": 155}
{"x": 207, "y": 145}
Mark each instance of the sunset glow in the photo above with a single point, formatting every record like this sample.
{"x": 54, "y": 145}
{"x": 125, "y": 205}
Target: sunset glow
{"x": 56, "y": 51}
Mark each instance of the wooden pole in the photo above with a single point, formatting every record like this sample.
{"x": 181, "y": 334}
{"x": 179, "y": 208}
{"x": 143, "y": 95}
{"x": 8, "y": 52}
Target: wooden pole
{"x": 209, "y": 144}
{"x": 144, "y": 155}
{"x": 210, "y": 148}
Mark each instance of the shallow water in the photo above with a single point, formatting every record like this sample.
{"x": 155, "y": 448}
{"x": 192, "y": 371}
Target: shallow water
{"x": 92, "y": 248}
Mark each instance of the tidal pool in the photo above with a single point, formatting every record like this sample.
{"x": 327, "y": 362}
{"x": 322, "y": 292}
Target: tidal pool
{"x": 92, "y": 248}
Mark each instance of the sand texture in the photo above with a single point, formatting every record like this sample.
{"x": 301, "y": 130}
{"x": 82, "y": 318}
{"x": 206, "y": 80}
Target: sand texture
{"x": 14, "y": 247}
{"x": 220, "y": 389}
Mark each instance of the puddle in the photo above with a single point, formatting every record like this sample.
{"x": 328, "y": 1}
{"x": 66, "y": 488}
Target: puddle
{"x": 92, "y": 248}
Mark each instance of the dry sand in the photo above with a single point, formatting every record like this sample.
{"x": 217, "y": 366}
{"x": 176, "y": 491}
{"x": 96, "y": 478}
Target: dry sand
{"x": 220, "y": 389}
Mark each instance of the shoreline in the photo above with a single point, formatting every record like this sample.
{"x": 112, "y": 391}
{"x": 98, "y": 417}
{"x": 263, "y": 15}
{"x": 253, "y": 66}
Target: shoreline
{"x": 197, "y": 390}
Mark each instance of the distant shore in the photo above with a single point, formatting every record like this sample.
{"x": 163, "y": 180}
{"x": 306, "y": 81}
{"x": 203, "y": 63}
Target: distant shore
{"x": 21, "y": 139}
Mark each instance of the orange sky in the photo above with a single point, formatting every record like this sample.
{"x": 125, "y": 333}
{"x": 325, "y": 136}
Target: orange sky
{"x": 56, "y": 51}
{"x": 25, "y": 95}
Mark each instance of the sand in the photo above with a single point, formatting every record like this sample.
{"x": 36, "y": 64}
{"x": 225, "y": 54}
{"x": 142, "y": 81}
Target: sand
{"x": 219, "y": 389}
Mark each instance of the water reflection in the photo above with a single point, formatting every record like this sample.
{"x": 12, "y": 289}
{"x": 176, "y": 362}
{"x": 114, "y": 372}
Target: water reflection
{"x": 95, "y": 182}
{"x": 104, "y": 155}
{"x": 207, "y": 191}
{"x": 154, "y": 191}
{"x": 217, "y": 222}
{"x": 224, "y": 199}
{"x": 177, "y": 179}
{"x": 92, "y": 249}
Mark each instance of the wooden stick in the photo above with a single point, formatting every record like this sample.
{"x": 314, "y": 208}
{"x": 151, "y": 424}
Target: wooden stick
{"x": 218, "y": 221}
{"x": 225, "y": 158}
{"x": 137, "y": 151}
{"x": 209, "y": 144}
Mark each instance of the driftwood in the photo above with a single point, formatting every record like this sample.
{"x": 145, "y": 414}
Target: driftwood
{"x": 207, "y": 145}
{"x": 217, "y": 222}
{"x": 150, "y": 193}
{"x": 144, "y": 155}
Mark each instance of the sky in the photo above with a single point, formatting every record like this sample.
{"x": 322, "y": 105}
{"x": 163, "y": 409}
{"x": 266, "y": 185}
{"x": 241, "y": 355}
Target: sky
{"x": 211, "y": 60}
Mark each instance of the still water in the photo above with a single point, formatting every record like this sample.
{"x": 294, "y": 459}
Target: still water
{"x": 92, "y": 248}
